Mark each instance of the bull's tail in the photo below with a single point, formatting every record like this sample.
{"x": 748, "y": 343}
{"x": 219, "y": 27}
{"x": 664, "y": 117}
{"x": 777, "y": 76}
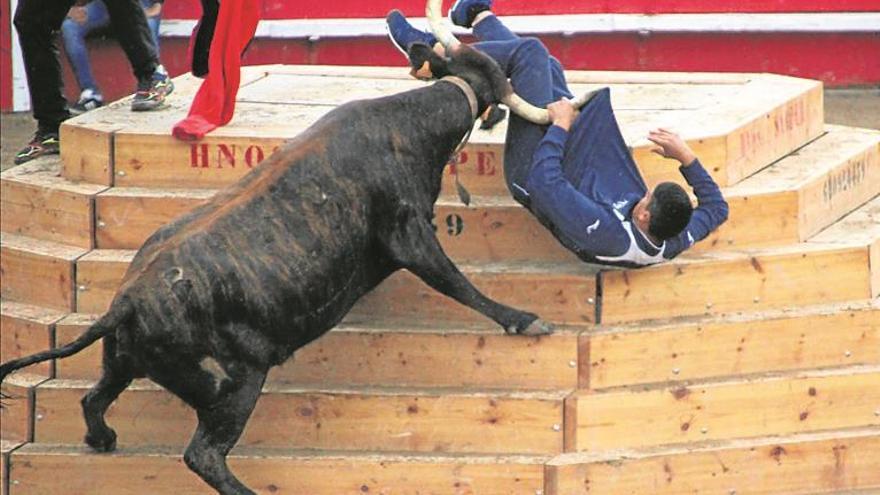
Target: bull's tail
{"x": 119, "y": 313}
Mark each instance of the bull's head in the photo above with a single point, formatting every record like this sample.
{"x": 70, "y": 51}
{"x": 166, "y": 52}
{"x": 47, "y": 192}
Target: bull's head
{"x": 481, "y": 73}
{"x": 517, "y": 105}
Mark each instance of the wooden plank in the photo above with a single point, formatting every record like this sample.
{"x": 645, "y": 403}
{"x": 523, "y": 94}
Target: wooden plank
{"x": 795, "y": 275}
{"x": 125, "y": 217}
{"x": 26, "y": 330}
{"x": 826, "y": 336}
{"x": 862, "y": 225}
{"x": 559, "y": 293}
{"x": 134, "y": 472}
{"x": 37, "y": 203}
{"x": 17, "y": 413}
{"x": 781, "y": 114}
{"x": 147, "y": 155}
{"x": 98, "y": 275}
{"x": 775, "y": 132}
{"x": 85, "y": 364}
{"x": 833, "y": 462}
{"x": 495, "y": 230}
{"x": 412, "y": 420}
{"x": 6, "y": 447}
{"x": 88, "y": 140}
{"x": 854, "y": 180}
{"x": 37, "y": 272}
{"x": 87, "y": 152}
{"x": 483, "y": 359}
{"x": 808, "y": 402}
{"x": 359, "y": 356}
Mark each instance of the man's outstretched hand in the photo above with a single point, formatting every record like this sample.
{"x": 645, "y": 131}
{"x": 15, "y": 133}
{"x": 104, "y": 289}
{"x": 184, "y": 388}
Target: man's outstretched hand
{"x": 671, "y": 145}
{"x": 562, "y": 113}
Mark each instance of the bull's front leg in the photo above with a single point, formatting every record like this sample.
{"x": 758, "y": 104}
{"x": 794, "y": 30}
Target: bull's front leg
{"x": 413, "y": 245}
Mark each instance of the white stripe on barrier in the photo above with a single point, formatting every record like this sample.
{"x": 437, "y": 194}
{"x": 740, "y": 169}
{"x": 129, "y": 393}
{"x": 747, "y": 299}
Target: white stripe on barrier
{"x": 860, "y": 22}
{"x": 21, "y": 98}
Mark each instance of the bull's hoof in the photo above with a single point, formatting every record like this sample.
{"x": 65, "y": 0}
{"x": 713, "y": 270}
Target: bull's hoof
{"x": 537, "y": 327}
{"x": 105, "y": 442}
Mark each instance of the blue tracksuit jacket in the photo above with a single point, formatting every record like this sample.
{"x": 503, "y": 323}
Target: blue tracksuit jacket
{"x": 583, "y": 185}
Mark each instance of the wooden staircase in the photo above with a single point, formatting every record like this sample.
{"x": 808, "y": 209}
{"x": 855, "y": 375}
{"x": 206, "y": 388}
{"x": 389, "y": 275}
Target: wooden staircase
{"x": 750, "y": 365}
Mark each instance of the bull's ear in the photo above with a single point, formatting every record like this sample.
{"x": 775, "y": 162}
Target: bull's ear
{"x": 425, "y": 62}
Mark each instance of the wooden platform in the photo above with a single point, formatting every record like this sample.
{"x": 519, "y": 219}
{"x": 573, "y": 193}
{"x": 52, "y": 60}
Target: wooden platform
{"x": 760, "y": 348}
{"x": 737, "y": 123}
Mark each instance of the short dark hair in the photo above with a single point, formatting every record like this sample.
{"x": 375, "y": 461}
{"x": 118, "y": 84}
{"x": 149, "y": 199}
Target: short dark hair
{"x": 670, "y": 210}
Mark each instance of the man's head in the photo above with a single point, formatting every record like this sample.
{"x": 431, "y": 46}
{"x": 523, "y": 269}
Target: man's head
{"x": 664, "y": 212}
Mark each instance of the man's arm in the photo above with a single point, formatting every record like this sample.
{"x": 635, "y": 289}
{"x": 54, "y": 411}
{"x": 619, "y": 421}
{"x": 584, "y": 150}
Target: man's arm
{"x": 711, "y": 210}
{"x": 576, "y": 216}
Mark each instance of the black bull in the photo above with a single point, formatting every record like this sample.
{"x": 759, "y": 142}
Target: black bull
{"x": 216, "y": 298}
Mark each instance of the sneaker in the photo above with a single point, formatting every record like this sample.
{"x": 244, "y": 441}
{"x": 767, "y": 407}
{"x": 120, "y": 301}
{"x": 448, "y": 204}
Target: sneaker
{"x": 151, "y": 92}
{"x": 463, "y": 12}
{"x": 89, "y": 99}
{"x": 43, "y": 143}
{"x": 403, "y": 34}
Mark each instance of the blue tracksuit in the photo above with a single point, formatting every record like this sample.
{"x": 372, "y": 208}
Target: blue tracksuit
{"x": 583, "y": 184}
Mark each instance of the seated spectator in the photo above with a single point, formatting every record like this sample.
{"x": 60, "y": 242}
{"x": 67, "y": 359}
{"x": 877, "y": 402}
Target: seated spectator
{"x": 83, "y": 20}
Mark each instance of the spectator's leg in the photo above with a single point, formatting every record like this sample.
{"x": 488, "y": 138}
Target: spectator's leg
{"x": 154, "y": 21}
{"x": 130, "y": 25}
{"x": 74, "y": 35}
{"x": 37, "y": 23}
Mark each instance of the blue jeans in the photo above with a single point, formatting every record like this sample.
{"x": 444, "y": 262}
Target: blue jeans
{"x": 74, "y": 36}
{"x": 537, "y": 77}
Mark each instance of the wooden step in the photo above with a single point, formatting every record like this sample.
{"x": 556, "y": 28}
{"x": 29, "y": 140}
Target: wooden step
{"x": 754, "y": 280}
{"x": 138, "y": 471}
{"x": 802, "y": 193}
{"x": 26, "y": 330}
{"x": 737, "y": 125}
{"x": 565, "y": 293}
{"x": 831, "y": 462}
{"x": 126, "y": 216}
{"x": 413, "y": 420}
{"x": 562, "y": 293}
{"x": 38, "y": 203}
{"x": 779, "y": 405}
{"x": 17, "y": 413}
{"x": 6, "y": 448}
{"x": 786, "y": 203}
{"x": 98, "y": 274}
{"x": 709, "y": 348}
{"x": 387, "y": 356}
{"x": 862, "y": 226}
{"x": 38, "y": 272}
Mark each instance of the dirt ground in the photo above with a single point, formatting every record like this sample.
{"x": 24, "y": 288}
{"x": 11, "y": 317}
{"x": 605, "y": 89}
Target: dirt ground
{"x": 853, "y": 107}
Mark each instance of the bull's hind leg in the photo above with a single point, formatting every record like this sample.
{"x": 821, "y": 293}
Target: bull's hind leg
{"x": 220, "y": 426}
{"x": 414, "y": 246}
{"x": 117, "y": 375}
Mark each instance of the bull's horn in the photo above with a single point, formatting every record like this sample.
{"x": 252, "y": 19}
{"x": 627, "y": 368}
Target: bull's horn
{"x": 435, "y": 19}
{"x": 540, "y": 115}
{"x": 517, "y": 105}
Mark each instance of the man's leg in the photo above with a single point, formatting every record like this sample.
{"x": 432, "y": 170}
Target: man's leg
{"x": 529, "y": 67}
{"x": 74, "y": 33}
{"x": 37, "y": 23}
{"x": 153, "y": 21}
{"x": 131, "y": 29}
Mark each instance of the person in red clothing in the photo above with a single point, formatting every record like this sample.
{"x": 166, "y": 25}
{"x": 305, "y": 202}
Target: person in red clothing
{"x": 216, "y": 47}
